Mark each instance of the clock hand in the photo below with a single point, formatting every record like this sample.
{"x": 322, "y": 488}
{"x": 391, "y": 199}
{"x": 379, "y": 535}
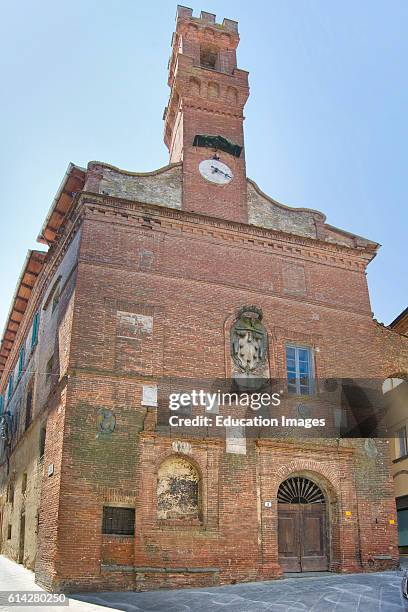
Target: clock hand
{"x": 215, "y": 169}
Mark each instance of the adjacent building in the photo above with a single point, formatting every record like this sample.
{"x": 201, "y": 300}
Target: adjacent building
{"x": 396, "y": 392}
{"x": 188, "y": 272}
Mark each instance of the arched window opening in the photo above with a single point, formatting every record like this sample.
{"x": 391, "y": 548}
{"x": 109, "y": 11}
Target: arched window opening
{"x": 391, "y": 383}
{"x": 209, "y": 57}
{"x": 300, "y": 490}
{"x": 178, "y": 489}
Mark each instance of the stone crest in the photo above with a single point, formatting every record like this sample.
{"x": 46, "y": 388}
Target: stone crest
{"x": 106, "y": 421}
{"x": 249, "y": 340}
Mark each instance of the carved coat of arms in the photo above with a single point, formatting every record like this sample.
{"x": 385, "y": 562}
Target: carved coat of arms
{"x": 106, "y": 421}
{"x": 249, "y": 339}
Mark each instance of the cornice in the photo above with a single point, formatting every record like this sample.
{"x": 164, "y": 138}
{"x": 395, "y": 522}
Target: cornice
{"x": 213, "y": 111}
{"x": 325, "y": 252}
{"x": 293, "y": 446}
{"x": 156, "y": 436}
{"x": 53, "y": 259}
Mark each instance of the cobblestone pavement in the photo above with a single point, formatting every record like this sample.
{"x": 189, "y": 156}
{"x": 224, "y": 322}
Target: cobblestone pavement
{"x": 379, "y": 592}
{"x": 335, "y": 593}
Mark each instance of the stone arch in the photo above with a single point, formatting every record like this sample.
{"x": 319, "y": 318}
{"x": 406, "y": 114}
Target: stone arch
{"x": 178, "y": 488}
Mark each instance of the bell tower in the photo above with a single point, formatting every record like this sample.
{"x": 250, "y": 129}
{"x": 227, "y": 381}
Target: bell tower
{"x": 204, "y": 118}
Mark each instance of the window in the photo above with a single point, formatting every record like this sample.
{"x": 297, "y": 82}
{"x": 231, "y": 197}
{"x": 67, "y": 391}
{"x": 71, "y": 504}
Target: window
{"x": 43, "y": 434}
{"x": 9, "y": 532}
{"x": 48, "y": 368}
{"x": 10, "y": 387}
{"x": 36, "y": 323}
{"x": 21, "y": 361}
{"x": 24, "y": 483}
{"x": 10, "y": 492}
{"x": 55, "y": 299}
{"x": 208, "y": 57}
{"x": 401, "y": 442}
{"x": 391, "y": 383}
{"x": 29, "y": 409}
{"x": 119, "y": 521}
{"x": 299, "y": 370}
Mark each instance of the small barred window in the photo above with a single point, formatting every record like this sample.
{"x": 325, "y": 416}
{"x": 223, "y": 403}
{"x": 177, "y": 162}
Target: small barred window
{"x": 119, "y": 521}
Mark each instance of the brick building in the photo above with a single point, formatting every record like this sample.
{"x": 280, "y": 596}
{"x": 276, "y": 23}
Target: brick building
{"x": 151, "y": 277}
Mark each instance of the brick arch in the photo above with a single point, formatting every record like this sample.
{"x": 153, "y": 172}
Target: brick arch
{"x": 178, "y": 488}
{"x": 232, "y": 95}
{"x": 213, "y": 90}
{"x": 399, "y": 374}
{"x": 322, "y": 475}
{"x": 400, "y": 473}
{"x": 167, "y": 454}
{"x": 195, "y": 86}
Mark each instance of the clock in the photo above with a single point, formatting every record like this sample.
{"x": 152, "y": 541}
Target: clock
{"x": 215, "y": 171}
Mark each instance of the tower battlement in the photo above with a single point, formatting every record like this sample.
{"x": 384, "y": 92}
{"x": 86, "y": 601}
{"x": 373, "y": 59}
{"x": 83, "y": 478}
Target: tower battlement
{"x": 206, "y": 19}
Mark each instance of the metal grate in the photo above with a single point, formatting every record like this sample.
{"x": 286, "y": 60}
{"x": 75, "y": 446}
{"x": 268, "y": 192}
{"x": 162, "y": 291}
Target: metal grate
{"x": 299, "y": 490}
{"x": 119, "y": 521}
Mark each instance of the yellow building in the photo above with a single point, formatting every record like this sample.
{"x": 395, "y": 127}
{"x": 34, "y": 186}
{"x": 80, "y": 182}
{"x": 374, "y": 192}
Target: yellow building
{"x": 396, "y": 390}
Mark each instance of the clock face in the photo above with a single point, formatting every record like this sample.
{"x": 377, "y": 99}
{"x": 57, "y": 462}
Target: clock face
{"x": 215, "y": 171}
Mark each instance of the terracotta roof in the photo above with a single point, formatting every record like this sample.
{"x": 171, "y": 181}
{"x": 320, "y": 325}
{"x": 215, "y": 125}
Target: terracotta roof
{"x": 72, "y": 182}
{"x": 31, "y": 269}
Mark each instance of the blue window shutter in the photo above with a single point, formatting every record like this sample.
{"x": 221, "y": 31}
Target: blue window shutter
{"x": 34, "y": 337}
{"x": 10, "y": 387}
{"x": 1, "y": 405}
{"x": 21, "y": 361}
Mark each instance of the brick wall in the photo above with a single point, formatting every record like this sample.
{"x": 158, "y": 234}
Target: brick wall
{"x": 176, "y": 323}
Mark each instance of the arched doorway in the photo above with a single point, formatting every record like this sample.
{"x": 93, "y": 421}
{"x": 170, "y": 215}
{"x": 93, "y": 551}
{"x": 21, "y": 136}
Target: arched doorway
{"x": 302, "y": 534}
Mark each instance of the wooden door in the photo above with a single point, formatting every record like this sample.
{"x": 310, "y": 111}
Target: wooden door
{"x": 302, "y": 537}
{"x": 313, "y": 542}
{"x": 289, "y": 537}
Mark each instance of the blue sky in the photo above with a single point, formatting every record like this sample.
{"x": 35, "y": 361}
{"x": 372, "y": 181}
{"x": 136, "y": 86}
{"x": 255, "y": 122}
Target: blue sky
{"x": 326, "y": 123}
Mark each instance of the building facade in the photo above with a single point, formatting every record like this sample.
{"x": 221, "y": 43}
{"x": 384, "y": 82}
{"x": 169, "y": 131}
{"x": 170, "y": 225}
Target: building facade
{"x": 396, "y": 392}
{"x": 188, "y": 272}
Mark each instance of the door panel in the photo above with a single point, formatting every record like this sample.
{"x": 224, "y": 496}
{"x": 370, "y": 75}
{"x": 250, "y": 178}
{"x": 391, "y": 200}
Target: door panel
{"x": 302, "y": 537}
{"x": 288, "y": 537}
{"x": 313, "y": 543}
